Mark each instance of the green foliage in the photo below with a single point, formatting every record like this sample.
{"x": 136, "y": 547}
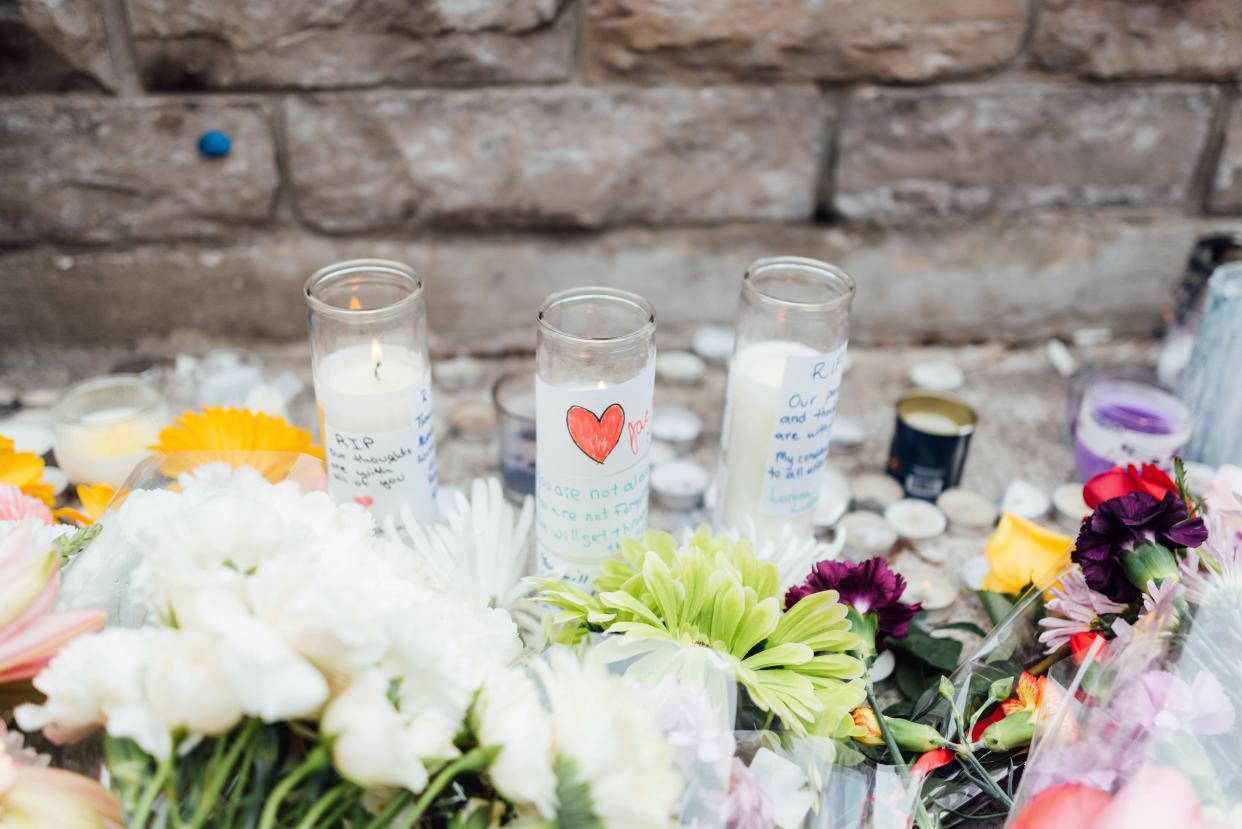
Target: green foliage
{"x": 70, "y": 544}
{"x": 576, "y": 811}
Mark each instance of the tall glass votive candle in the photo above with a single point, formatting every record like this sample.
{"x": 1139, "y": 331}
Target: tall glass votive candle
{"x": 784, "y": 378}
{"x": 514, "y": 397}
{"x": 594, "y": 382}
{"x": 103, "y": 427}
{"x": 1212, "y": 383}
{"x": 368, "y": 333}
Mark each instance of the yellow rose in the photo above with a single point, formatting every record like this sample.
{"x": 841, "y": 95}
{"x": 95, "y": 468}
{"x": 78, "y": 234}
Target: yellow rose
{"x": 1021, "y": 553}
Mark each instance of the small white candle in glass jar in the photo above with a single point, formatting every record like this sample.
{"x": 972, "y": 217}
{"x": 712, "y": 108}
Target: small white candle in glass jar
{"x": 103, "y": 428}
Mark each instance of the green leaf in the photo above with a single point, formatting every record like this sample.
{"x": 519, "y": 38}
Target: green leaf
{"x": 576, "y": 811}
{"x": 70, "y": 544}
{"x": 996, "y": 605}
{"x": 942, "y": 654}
{"x": 969, "y": 627}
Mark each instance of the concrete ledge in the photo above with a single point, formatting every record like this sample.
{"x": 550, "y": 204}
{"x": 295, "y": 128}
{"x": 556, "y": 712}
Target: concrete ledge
{"x": 1008, "y": 280}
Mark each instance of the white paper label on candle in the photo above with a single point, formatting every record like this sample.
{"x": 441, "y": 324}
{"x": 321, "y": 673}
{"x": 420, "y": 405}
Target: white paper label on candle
{"x": 798, "y": 448}
{"x": 591, "y": 466}
{"x": 381, "y": 470}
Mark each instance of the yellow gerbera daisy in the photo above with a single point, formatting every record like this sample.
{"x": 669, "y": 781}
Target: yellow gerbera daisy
{"x": 24, "y": 470}
{"x": 94, "y": 498}
{"x": 220, "y": 434}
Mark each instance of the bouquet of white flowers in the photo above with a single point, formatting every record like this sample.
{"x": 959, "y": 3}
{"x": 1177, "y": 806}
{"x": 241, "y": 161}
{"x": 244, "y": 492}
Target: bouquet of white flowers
{"x": 295, "y": 669}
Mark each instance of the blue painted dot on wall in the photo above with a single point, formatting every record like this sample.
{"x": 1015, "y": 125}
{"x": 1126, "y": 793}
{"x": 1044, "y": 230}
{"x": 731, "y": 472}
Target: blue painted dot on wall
{"x": 214, "y": 144}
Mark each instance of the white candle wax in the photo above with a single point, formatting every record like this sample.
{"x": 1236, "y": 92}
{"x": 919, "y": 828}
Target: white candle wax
{"x": 761, "y": 399}
{"x": 105, "y": 446}
{"x": 375, "y": 406}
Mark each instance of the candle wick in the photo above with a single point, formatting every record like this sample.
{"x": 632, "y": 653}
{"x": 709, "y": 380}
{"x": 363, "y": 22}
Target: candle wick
{"x": 377, "y": 365}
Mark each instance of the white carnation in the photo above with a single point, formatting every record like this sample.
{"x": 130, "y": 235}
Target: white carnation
{"x": 186, "y": 683}
{"x": 375, "y": 744}
{"x": 95, "y": 680}
{"x": 611, "y": 743}
{"x": 509, "y": 714}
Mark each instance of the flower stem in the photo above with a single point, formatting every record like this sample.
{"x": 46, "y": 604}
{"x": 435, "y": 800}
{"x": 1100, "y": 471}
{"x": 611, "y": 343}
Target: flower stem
{"x": 474, "y": 759}
{"x": 986, "y": 781}
{"x": 152, "y": 790}
{"x": 314, "y": 761}
{"x": 322, "y": 805}
{"x": 1041, "y": 667}
{"x": 220, "y": 772}
{"x": 920, "y": 813}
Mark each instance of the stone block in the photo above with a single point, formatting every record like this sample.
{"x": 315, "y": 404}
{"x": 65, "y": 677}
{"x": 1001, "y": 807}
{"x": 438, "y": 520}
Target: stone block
{"x": 908, "y": 155}
{"x": 108, "y": 170}
{"x": 562, "y": 157}
{"x": 53, "y": 47}
{"x": 308, "y": 44}
{"x": 1140, "y": 38}
{"x": 829, "y": 40}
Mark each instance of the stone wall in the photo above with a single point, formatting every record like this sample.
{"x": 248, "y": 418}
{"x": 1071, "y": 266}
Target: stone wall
{"x": 985, "y": 168}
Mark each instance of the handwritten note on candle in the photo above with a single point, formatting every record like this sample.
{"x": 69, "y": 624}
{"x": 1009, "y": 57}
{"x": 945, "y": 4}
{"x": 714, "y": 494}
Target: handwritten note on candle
{"x": 381, "y": 470}
{"x": 591, "y": 470}
{"x": 798, "y": 450}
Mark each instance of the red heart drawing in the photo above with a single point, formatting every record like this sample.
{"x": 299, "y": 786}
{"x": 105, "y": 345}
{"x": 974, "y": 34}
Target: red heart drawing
{"x": 596, "y": 436}
{"x": 364, "y": 500}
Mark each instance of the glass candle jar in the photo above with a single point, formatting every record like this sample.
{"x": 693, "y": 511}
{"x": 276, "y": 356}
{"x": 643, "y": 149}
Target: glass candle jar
{"x": 594, "y": 381}
{"x": 368, "y": 334}
{"x": 1124, "y": 422}
{"x": 1211, "y": 384}
{"x": 514, "y": 398}
{"x": 102, "y": 427}
{"x": 784, "y": 377}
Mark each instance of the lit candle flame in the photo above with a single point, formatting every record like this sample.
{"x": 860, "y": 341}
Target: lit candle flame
{"x": 601, "y": 384}
{"x": 354, "y": 304}
{"x": 377, "y": 355}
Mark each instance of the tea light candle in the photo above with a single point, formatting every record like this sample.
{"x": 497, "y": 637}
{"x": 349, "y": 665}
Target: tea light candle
{"x": 714, "y": 343}
{"x": 1025, "y": 500}
{"x": 679, "y": 485}
{"x": 679, "y": 428}
{"x": 373, "y": 385}
{"x": 102, "y": 428}
{"x": 915, "y": 519}
{"x": 928, "y": 587}
{"x": 681, "y": 368}
{"x": 867, "y": 534}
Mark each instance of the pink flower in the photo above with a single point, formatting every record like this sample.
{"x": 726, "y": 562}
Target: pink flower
{"x": 15, "y": 505}
{"x": 33, "y": 795}
{"x": 1161, "y": 700}
{"x": 1077, "y": 608}
{"x": 1223, "y": 499}
{"x": 748, "y": 806}
{"x": 1064, "y": 806}
{"x": 1155, "y": 796}
{"x": 30, "y": 632}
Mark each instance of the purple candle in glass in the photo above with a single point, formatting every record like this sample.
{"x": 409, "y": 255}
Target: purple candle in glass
{"x": 514, "y": 396}
{"x": 1125, "y": 421}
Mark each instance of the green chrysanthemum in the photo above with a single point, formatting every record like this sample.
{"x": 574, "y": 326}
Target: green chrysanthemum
{"x": 713, "y": 592}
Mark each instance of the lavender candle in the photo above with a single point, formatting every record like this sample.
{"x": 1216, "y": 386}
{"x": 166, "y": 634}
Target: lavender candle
{"x": 1125, "y": 421}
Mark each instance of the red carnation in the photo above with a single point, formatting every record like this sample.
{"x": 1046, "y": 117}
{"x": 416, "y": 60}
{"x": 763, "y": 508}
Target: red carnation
{"x": 1118, "y": 481}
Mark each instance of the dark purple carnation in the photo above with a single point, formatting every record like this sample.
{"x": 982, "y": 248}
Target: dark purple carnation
{"x": 868, "y": 586}
{"x": 1120, "y": 524}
